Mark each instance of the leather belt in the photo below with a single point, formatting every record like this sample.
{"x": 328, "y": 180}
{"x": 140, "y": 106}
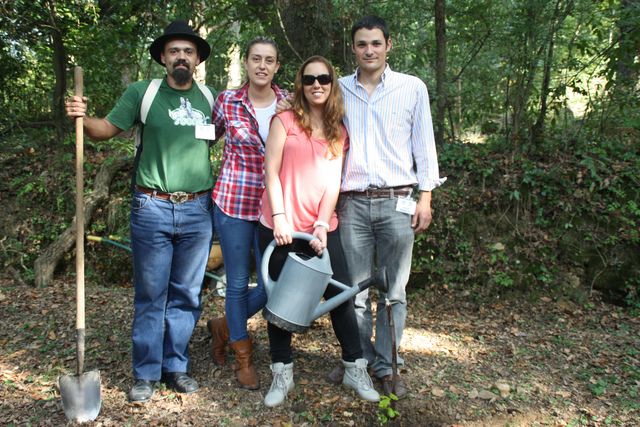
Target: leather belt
{"x": 381, "y": 193}
{"x": 176, "y": 197}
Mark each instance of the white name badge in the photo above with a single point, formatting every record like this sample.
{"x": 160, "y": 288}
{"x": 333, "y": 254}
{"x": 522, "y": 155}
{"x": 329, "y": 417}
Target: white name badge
{"x": 207, "y": 132}
{"x": 406, "y": 205}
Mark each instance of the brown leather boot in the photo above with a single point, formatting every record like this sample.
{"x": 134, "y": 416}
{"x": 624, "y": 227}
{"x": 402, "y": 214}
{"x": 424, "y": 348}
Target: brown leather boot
{"x": 245, "y": 371}
{"x": 219, "y": 339}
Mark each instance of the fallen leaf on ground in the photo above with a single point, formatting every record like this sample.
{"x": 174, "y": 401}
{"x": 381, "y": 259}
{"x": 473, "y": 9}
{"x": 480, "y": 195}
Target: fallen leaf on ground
{"x": 437, "y": 392}
{"x": 487, "y": 395}
{"x": 503, "y": 388}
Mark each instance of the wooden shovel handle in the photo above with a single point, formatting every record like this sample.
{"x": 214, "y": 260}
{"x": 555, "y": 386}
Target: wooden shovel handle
{"x": 78, "y": 83}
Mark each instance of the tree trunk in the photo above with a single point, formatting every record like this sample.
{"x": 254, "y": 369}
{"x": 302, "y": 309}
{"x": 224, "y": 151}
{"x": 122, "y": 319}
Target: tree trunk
{"x": 532, "y": 49}
{"x": 200, "y": 74}
{"x": 537, "y": 132}
{"x": 629, "y": 45}
{"x": 234, "y": 74}
{"x": 59, "y": 70}
{"x": 441, "y": 68}
{"x": 559, "y": 15}
{"x": 46, "y": 263}
{"x": 299, "y": 19}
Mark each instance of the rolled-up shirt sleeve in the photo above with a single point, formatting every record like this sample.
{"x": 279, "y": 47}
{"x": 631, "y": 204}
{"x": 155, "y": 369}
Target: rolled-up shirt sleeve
{"x": 423, "y": 143}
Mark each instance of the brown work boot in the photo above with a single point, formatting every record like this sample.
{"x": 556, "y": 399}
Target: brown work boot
{"x": 388, "y": 386}
{"x": 219, "y": 339}
{"x": 336, "y": 375}
{"x": 245, "y": 371}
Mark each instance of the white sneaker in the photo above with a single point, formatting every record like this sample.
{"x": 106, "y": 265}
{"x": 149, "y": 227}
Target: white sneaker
{"x": 357, "y": 378}
{"x": 282, "y": 384}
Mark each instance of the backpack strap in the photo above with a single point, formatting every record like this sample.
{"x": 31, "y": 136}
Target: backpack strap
{"x": 207, "y": 94}
{"x": 148, "y": 98}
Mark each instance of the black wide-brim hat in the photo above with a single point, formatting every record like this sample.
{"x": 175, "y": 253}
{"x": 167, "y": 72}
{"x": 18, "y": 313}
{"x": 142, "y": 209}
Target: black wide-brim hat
{"x": 179, "y": 29}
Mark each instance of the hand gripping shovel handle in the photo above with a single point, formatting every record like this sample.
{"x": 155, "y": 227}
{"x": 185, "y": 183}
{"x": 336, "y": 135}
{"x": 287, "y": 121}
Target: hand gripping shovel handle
{"x": 79, "y": 122}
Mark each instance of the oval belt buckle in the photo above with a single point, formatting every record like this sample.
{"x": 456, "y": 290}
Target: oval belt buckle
{"x": 179, "y": 197}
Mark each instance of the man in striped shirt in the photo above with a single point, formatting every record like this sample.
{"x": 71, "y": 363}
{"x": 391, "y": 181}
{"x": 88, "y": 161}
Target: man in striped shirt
{"x": 392, "y": 150}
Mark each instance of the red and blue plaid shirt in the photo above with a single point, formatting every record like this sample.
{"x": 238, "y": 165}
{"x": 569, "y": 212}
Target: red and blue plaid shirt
{"x": 240, "y": 183}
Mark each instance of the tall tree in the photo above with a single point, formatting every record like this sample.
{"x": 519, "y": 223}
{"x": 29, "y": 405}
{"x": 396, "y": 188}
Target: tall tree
{"x": 441, "y": 69}
{"x": 560, "y": 13}
{"x": 625, "y": 64}
{"x": 59, "y": 68}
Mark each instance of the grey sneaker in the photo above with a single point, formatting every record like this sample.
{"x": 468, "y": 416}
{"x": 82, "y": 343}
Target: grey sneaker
{"x": 282, "y": 384}
{"x": 357, "y": 378}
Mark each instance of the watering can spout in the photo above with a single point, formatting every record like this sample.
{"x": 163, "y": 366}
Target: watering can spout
{"x": 378, "y": 280}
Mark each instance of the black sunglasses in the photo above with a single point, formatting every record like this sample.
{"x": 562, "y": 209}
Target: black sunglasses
{"x": 323, "y": 79}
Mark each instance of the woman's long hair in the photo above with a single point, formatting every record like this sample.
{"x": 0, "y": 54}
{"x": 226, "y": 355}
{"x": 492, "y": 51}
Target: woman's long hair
{"x": 333, "y": 109}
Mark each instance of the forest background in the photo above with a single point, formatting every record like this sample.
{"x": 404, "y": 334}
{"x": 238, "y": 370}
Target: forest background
{"x": 535, "y": 104}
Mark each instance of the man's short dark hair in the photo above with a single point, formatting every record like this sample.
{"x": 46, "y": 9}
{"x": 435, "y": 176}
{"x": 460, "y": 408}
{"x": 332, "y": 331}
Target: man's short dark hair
{"x": 370, "y": 22}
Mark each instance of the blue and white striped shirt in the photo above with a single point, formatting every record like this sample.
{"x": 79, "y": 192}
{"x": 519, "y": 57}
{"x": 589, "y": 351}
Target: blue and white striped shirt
{"x": 391, "y": 140}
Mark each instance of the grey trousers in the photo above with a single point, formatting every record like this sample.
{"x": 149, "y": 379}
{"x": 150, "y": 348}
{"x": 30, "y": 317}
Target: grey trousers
{"x": 373, "y": 234}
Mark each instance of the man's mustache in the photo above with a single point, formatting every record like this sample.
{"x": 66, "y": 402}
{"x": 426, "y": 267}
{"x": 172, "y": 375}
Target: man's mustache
{"x": 181, "y": 62}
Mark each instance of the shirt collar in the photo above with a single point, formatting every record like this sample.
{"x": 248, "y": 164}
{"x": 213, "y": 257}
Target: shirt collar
{"x": 387, "y": 72}
{"x": 243, "y": 93}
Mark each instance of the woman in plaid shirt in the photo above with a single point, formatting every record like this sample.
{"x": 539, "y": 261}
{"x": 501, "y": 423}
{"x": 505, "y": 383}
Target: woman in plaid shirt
{"x": 245, "y": 115}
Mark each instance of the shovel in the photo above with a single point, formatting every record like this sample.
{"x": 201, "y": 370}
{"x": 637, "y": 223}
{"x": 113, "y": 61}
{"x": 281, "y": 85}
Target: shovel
{"x": 81, "y": 392}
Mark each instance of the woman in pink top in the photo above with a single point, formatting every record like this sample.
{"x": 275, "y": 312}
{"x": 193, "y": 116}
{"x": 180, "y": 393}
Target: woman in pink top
{"x": 303, "y": 167}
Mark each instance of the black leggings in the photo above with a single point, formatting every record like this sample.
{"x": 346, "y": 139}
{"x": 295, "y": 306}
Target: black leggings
{"x": 343, "y": 317}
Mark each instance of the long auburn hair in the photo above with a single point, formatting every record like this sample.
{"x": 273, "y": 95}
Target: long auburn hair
{"x": 333, "y": 109}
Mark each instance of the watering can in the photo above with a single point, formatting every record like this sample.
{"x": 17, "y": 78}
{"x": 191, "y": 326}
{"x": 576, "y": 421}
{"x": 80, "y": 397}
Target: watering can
{"x": 294, "y": 301}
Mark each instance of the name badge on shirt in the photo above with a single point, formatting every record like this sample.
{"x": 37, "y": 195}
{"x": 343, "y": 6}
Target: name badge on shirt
{"x": 406, "y": 205}
{"x": 207, "y": 132}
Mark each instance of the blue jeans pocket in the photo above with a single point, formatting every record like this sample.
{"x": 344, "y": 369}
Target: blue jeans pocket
{"x": 205, "y": 203}
{"x": 139, "y": 200}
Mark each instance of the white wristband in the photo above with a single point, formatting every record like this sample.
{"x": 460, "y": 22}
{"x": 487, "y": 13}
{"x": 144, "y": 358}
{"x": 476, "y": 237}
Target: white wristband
{"x": 321, "y": 224}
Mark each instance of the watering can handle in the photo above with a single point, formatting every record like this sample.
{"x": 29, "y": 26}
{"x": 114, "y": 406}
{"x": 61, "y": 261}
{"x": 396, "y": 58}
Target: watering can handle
{"x": 267, "y": 254}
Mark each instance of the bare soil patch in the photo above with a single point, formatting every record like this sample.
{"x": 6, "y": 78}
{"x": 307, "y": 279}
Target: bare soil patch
{"x": 470, "y": 361}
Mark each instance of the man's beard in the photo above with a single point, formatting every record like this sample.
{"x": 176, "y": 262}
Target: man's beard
{"x": 181, "y": 76}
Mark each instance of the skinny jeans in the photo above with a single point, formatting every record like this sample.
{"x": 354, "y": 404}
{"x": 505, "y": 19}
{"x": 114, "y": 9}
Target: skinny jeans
{"x": 239, "y": 245}
{"x": 343, "y": 317}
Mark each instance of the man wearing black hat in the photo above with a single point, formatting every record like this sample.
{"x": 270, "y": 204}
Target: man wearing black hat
{"x": 171, "y": 226}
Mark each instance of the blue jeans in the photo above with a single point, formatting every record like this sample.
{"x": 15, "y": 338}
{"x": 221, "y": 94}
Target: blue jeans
{"x": 170, "y": 245}
{"x": 238, "y": 237}
{"x": 373, "y": 235}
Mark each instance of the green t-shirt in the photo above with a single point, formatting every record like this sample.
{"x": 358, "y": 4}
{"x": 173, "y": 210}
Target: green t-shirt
{"x": 172, "y": 159}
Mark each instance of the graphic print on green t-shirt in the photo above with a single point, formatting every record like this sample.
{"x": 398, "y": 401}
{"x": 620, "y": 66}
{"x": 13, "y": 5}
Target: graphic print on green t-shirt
{"x": 172, "y": 159}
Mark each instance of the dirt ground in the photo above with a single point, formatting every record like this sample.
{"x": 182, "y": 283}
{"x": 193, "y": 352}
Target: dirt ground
{"x": 490, "y": 360}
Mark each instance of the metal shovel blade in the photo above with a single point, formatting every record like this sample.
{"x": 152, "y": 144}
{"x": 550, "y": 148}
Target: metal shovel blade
{"x": 81, "y": 396}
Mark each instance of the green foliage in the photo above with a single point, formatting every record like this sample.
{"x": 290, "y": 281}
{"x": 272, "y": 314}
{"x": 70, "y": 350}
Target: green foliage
{"x": 513, "y": 214}
{"x": 518, "y": 222}
{"x": 386, "y": 411}
{"x": 495, "y": 49}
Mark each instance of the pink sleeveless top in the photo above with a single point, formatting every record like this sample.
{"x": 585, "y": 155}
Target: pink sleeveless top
{"x": 305, "y": 172}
